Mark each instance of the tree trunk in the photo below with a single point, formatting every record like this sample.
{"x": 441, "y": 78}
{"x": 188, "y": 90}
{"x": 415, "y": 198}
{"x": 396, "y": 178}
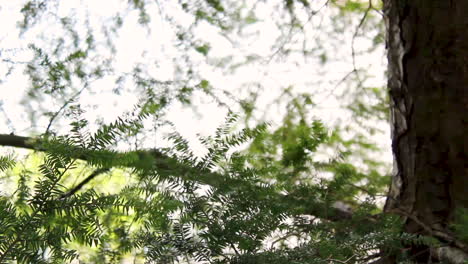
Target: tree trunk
{"x": 427, "y": 42}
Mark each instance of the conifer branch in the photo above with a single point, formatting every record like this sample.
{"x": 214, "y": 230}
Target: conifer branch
{"x": 166, "y": 163}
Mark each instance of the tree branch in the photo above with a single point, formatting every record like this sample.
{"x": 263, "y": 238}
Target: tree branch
{"x": 162, "y": 162}
{"x": 83, "y": 182}
{"x": 11, "y": 140}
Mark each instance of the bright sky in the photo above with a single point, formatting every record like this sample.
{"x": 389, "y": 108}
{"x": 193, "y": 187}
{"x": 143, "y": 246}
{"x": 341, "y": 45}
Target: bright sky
{"x": 135, "y": 45}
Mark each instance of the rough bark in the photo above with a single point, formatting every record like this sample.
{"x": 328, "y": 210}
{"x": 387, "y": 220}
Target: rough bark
{"x": 427, "y": 44}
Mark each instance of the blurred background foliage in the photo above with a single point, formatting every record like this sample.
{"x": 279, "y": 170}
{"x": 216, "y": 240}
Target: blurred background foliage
{"x": 142, "y": 95}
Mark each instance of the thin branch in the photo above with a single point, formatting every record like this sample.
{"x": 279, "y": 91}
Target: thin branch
{"x": 291, "y": 33}
{"x": 83, "y": 182}
{"x": 332, "y": 91}
{"x": 8, "y": 121}
{"x": 353, "y": 50}
{"x": 431, "y": 231}
{"x": 55, "y": 115}
{"x": 286, "y": 236}
{"x": 235, "y": 249}
{"x": 341, "y": 261}
{"x": 370, "y": 257}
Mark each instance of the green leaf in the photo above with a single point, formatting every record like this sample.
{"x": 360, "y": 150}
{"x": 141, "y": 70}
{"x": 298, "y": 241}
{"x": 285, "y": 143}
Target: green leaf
{"x": 204, "y": 49}
{"x": 204, "y": 84}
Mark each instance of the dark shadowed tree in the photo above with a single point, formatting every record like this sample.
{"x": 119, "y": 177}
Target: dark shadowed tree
{"x": 427, "y": 45}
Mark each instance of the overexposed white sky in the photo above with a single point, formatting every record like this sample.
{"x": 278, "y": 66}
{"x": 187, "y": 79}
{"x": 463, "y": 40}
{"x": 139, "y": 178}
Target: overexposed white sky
{"x": 134, "y": 44}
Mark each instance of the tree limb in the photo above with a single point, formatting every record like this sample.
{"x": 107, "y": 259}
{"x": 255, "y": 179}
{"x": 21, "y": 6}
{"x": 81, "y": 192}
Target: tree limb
{"x": 11, "y": 140}
{"x": 163, "y": 162}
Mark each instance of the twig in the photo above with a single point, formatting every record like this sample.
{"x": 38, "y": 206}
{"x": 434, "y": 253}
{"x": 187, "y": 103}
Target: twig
{"x": 83, "y": 182}
{"x": 282, "y": 238}
{"x": 353, "y": 51}
{"x": 71, "y": 99}
{"x": 291, "y": 34}
{"x": 432, "y": 232}
{"x": 341, "y": 261}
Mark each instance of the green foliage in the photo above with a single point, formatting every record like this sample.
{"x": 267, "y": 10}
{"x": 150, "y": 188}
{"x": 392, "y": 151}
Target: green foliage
{"x": 461, "y": 224}
{"x": 203, "y": 49}
{"x": 222, "y": 207}
{"x": 6, "y": 162}
{"x": 49, "y": 219}
{"x": 32, "y": 11}
{"x": 259, "y": 194}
